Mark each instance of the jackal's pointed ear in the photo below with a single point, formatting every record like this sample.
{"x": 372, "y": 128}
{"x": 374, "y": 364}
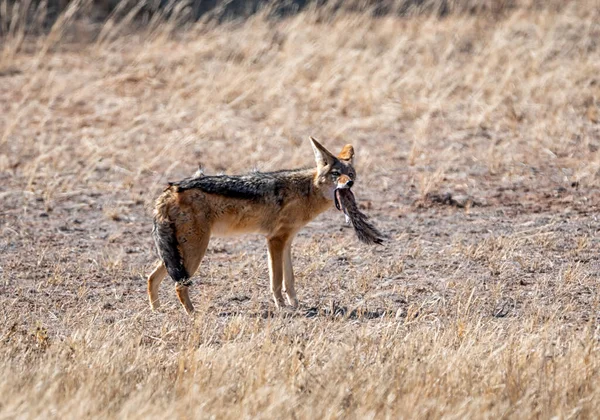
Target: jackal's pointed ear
{"x": 347, "y": 154}
{"x": 322, "y": 155}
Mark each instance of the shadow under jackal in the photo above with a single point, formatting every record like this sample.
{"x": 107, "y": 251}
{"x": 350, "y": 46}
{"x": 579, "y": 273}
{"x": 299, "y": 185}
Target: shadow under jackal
{"x": 275, "y": 204}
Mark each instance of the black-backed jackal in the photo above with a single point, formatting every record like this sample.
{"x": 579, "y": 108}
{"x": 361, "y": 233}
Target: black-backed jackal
{"x": 275, "y": 204}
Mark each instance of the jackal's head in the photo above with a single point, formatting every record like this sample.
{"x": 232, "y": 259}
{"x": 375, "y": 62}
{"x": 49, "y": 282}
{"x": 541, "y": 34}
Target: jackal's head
{"x": 333, "y": 173}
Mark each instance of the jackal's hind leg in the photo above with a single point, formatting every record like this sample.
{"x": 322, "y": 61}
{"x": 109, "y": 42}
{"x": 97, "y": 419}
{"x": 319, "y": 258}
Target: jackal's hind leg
{"x": 192, "y": 252}
{"x": 154, "y": 280}
{"x": 182, "y": 291}
{"x": 288, "y": 276}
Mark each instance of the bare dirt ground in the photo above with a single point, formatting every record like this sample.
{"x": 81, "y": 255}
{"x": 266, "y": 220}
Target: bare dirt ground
{"x": 477, "y": 143}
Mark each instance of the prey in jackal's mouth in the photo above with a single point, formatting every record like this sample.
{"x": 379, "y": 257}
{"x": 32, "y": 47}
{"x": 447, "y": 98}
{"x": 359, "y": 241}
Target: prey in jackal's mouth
{"x": 275, "y": 204}
{"x": 365, "y": 231}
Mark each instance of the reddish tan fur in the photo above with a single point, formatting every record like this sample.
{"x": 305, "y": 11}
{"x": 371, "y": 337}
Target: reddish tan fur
{"x": 347, "y": 153}
{"x": 343, "y": 179}
{"x": 198, "y": 215}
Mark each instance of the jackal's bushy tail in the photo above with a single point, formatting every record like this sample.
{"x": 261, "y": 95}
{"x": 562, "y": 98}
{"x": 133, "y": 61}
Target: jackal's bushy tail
{"x": 168, "y": 249}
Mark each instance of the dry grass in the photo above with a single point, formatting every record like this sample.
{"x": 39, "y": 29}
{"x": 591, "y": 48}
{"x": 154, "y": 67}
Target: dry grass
{"x": 477, "y": 140}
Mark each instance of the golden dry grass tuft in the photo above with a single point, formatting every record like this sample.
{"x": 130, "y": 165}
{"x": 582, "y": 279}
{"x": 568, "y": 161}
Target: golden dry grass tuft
{"x": 477, "y": 139}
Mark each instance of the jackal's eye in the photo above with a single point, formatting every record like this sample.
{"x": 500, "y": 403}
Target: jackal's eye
{"x": 351, "y": 175}
{"x": 335, "y": 174}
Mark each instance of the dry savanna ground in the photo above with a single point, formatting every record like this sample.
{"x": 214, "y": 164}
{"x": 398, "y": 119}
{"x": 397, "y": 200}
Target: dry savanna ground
{"x": 478, "y": 150}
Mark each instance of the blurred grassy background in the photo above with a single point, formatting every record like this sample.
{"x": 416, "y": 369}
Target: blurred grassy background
{"x": 477, "y": 132}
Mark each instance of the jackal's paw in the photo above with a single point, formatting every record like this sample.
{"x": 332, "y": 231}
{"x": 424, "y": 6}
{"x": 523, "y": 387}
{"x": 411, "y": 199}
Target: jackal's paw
{"x": 292, "y": 301}
{"x": 290, "y": 313}
{"x": 280, "y": 306}
{"x": 155, "y": 304}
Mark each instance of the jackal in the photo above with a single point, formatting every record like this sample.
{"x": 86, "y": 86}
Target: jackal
{"x": 275, "y": 204}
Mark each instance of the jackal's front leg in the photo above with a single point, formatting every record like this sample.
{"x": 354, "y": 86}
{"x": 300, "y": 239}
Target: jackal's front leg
{"x": 288, "y": 276}
{"x": 276, "y": 250}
